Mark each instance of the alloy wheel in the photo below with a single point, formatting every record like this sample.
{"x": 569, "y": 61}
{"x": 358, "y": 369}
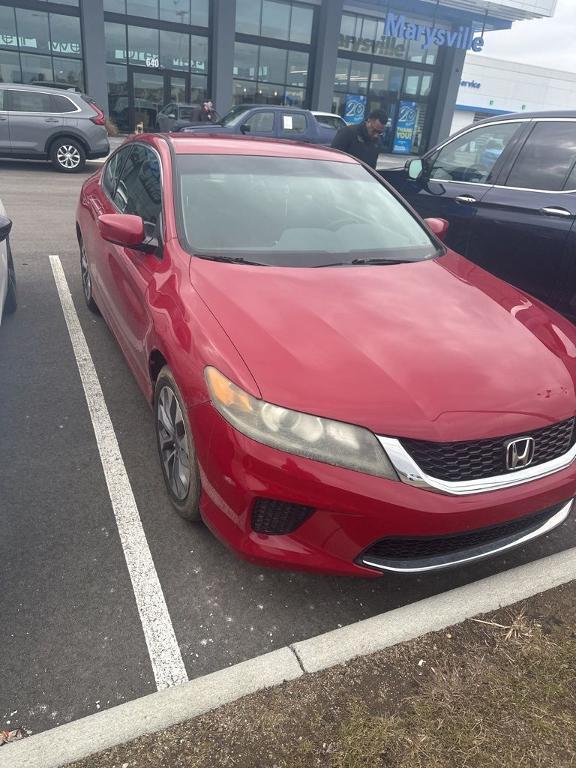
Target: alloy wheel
{"x": 173, "y": 443}
{"x": 68, "y": 156}
{"x": 86, "y": 279}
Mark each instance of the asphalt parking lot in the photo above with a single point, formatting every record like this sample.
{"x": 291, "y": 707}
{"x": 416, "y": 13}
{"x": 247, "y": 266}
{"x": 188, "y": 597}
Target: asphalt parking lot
{"x": 71, "y": 632}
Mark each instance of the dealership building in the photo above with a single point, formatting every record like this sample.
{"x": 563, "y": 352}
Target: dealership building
{"x": 496, "y": 87}
{"x": 135, "y": 56}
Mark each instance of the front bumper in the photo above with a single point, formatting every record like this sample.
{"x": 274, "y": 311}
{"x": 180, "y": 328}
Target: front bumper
{"x": 352, "y": 510}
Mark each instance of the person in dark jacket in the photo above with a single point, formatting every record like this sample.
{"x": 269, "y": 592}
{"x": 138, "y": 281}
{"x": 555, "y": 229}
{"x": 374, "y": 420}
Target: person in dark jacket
{"x": 363, "y": 141}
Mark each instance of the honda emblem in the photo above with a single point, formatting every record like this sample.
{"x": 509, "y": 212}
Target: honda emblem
{"x": 519, "y": 453}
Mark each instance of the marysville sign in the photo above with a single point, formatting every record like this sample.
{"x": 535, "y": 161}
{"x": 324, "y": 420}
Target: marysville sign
{"x": 398, "y": 27}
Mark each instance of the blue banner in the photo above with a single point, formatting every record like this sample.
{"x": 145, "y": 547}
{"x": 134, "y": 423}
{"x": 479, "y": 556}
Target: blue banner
{"x": 405, "y": 127}
{"x": 354, "y": 108}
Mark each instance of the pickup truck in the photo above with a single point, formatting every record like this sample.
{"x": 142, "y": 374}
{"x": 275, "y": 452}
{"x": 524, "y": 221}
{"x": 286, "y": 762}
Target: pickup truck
{"x": 270, "y": 122}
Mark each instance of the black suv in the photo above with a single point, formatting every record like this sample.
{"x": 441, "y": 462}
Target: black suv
{"x": 507, "y": 185}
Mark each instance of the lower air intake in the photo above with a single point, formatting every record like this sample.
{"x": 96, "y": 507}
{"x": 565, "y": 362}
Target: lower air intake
{"x": 278, "y": 517}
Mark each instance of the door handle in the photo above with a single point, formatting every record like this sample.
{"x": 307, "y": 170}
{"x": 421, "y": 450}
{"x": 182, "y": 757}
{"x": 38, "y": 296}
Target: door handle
{"x": 466, "y": 200}
{"x": 3, "y": 118}
{"x": 51, "y": 120}
{"x": 556, "y": 212}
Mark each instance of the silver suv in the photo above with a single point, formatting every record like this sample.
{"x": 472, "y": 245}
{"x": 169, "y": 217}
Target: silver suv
{"x": 64, "y": 127}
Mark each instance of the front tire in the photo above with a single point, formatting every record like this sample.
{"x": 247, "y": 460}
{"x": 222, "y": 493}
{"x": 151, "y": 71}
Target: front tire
{"x": 176, "y": 447}
{"x": 87, "y": 280}
{"x": 67, "y": 155}
{"x": 11, "y": 298}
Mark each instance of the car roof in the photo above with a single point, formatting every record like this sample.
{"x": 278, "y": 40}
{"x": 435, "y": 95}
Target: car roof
{"x": 271, "y": 107}
{"x": 39, "y": 89}
{"x": 326, "y": 114}
{"x": 213, "y": 144}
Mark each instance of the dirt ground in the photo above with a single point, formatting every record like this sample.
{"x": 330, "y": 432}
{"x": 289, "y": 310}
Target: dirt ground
{"x": 494, "y": 692}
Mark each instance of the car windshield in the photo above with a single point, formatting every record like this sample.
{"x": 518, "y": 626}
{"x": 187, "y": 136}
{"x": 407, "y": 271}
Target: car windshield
{"x": 293, "y": 212}
{"x": 233, "y": 116}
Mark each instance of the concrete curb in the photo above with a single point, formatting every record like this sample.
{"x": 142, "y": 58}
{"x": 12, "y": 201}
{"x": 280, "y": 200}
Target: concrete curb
{"x": 74, "y": 741}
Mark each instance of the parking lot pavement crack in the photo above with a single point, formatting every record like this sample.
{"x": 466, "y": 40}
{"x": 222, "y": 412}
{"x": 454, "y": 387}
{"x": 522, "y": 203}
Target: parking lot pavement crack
{"x": 298, "y": 659}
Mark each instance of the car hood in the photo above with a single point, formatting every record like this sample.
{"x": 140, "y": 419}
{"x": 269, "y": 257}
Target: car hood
{"x": 438, "y": 350}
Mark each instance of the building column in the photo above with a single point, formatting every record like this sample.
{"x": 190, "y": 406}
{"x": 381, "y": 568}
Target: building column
{"x": 447, "y": 89}
{"x": 94, "y": 51}
{"x": 326, "y": 54}
{"x": 222, "y": 53}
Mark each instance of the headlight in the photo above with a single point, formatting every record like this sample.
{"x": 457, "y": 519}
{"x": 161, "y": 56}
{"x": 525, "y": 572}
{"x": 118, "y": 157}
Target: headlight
{"x": 333, "y": 442}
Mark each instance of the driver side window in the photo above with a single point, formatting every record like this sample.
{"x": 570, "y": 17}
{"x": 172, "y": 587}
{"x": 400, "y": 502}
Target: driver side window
{"x": 472, "y": 157}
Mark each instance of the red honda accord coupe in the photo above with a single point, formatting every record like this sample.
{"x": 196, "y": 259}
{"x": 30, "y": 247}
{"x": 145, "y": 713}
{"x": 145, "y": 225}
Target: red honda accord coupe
{"x": 333, "y": 389}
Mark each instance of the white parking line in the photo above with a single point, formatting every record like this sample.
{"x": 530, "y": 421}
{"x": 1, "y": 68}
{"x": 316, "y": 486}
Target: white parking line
{"x": 165, "y": 655}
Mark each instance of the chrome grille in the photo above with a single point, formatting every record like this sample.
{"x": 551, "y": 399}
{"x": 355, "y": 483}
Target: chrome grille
{"x": 477, "y": 459}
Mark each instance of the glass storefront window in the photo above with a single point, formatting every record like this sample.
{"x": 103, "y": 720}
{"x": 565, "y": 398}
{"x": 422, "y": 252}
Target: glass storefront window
{"x": 295, "y": 97}
{"x": 275, "y": 19}
{"x": 8, "y": 37}
{"x": 301, "y": 24}
{"x": 347, "y": 32}
{"x": 245, "y": 61}
{"x": 65, "y": 37}
{"x": 143, "y": 47}
{"x": 200, "y": 13}
{"x": 68, "y": 71}
{"x": 33, "y": 31}
{"x": 269, "y": 94}
{"x": 272, "y": 66}
{"x": 417, "y": 83}
{"x": 244, "y": 92}
{"x": 145, "y": 8}
{"x": 10, "y": 67}
{"x": 248, "y": 13}
{"x": 359, "y": 76}
{"x": 115, "y": 6}
{"x": 36, "y": 68}
{"x": 175, "y": 10}
{"x": 174, "y": 50}
{"x": 115, "y": 40}
{"x": 199, "y": 54}
{"x": 297, "y": 69}
{"x": 342, "y": 73}
{"x": 118, "y": 95}
{"x": 385, "y": 81}
{"x": 198, "y": 89}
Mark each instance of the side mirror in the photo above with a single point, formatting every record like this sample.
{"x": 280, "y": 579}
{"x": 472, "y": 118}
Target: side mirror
{"x": 245, "y": 128}
{"x": 415, "y": 168}
{"x": 5, "y": 227}
{"x": 438, "y": 227}
{"x": 122, "y": 229}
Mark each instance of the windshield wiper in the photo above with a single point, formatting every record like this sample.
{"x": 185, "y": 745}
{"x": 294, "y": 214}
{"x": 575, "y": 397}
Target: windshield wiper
{"x": 357, "y": 262}
{"x": 230, "y": 259}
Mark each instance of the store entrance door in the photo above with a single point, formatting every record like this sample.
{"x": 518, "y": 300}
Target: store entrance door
{"x": 151, "y": 91}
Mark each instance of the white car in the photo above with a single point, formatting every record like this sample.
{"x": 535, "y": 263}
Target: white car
{"x": 7, "y": 273}
{"x": 330, "y": 120}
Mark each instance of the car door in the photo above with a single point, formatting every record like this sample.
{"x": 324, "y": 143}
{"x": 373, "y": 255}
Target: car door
{"x": 259, "y": 123}
{"x": 295, "y": 126}
{"x": 524, "y": 225}
{"x": 457, "y": 176}
{"x": 32, "y": 121}
{"x": 5, "y": 147}
{"x": 128, "y": 272}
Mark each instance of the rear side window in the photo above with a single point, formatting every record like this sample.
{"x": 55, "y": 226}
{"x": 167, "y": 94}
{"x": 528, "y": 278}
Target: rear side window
{"x": 294, "y": 124}
{"x": 62, "y": 104}
{"x": 547, "y": 157}
{"x": 29, "y": 101}
{"x": 2, "y": 100}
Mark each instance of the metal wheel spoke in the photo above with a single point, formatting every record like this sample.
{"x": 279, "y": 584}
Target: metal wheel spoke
{"x": 173, "y": 442}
